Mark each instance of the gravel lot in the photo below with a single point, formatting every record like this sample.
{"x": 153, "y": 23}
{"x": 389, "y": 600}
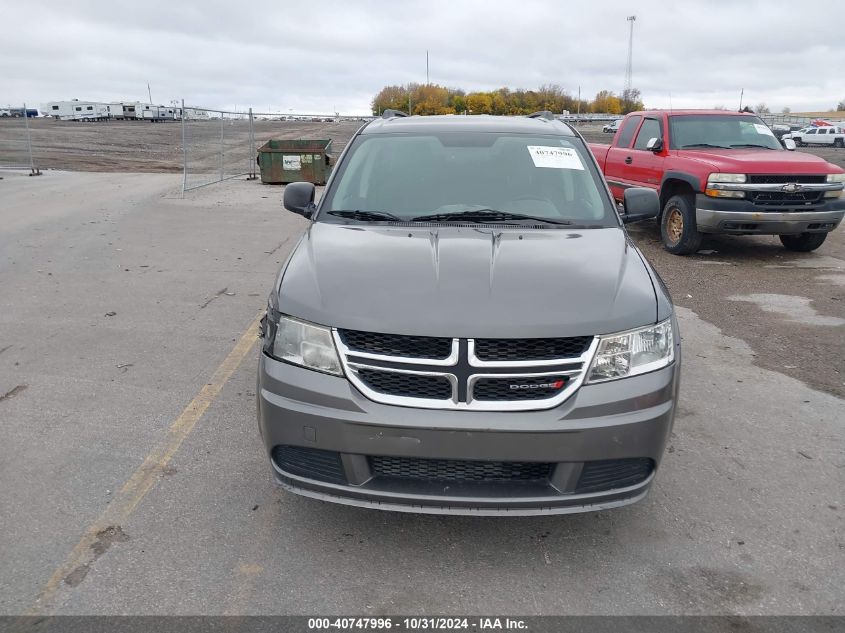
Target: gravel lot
{"x": 141, "y": 146}
{"x": 117, "y": 308}
{"x": 789, "y": 307}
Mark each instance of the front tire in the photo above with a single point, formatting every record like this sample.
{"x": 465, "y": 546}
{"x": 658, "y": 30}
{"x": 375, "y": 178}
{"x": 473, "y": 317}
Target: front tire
{"x": 803, "y": 242}
{"x": 838, "y": 142}
{"x": 678, "y": 228}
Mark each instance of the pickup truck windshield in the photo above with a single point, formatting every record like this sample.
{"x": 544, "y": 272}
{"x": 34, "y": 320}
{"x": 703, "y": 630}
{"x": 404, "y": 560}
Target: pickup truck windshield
{"x": 721, "y": 132}
{"x": 479, "y": 177}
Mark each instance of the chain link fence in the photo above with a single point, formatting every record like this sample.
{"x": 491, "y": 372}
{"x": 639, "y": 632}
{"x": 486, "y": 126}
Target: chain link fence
{"x": 216, "y": 145}
{"x": 16, "y": 150}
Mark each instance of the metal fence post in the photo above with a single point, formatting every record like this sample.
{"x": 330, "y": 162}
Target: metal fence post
{"x": 252, "y": 159}
{"x": 33, "y": 170}
{"x": 184, "y": 153}
{"x": 222, "y": 116}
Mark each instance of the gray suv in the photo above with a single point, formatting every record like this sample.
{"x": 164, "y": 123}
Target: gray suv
{"x": 466, "y": 327}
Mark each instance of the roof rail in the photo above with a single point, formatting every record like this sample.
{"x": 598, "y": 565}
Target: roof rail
{"x": 542, "y": 114}
{"x": 389, "y": 113}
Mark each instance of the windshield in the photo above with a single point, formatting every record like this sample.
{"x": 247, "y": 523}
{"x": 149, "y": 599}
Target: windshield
{"x": 468, "y": 176}
{"x": 726, "y": 132}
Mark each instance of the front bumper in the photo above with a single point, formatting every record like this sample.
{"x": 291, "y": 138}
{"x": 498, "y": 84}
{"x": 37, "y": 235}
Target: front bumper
{"x": 742, "y": 217}
{"x": 625, "y": 420}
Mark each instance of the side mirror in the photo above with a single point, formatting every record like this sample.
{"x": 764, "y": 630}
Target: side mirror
{"x": 639, "y": 203}
{"x": 299, "y": 198}
{"x": 789, "y": 144}
{"x": 654, "y": 144}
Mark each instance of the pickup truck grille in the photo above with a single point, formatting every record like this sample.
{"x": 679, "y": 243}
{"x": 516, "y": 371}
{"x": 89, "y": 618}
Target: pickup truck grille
{"x": 476, "y": 374}
{"x": 784, "y": 199}
{"x": 772, "y": 179}
{"x": 774, "y": 191}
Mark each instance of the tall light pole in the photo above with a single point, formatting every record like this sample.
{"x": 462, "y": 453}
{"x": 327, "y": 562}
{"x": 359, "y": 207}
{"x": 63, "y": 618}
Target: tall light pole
{"x": 629, "y": 68}
{"x": 578, "y": 118}
{"x": 426, "y": 68}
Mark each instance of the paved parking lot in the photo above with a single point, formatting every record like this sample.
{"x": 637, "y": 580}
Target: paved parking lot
{"x": 134, "y": 480}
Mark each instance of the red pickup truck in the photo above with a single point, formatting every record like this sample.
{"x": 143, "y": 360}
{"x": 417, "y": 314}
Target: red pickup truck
{"x": 723, "y": 172}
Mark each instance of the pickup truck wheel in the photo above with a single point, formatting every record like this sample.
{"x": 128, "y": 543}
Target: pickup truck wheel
{"x": 677, "y": 226}
{"x": 803, "y": 242}
{"x": 838, "y": 142}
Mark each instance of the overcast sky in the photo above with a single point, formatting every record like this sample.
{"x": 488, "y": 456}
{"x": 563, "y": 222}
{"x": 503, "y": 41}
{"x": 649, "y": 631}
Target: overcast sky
{"x": 326, "y": 55}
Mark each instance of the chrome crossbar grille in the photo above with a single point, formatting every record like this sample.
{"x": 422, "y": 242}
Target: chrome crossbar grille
{"x": 474, "y": 374}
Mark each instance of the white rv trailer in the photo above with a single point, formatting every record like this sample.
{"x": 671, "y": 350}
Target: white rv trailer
{"x": 76, "y": 110}
{"x": 150, "y": 112}
{"x": 130, "y": 109}
{"x": 190, "y": 114}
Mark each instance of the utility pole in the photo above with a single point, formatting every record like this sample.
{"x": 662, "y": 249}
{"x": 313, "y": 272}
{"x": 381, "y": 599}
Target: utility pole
{"x": 426, "y": 68}
{"x": 629, "y": 68}
{"x": 149, "y": 94}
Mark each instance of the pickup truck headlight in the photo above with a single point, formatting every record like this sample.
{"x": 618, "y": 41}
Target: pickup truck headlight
{"x": 714, "y": 185}
{"x": 835, "y": 179}
{"x": 301, "y": 343}
{"x": 634, "y": 352}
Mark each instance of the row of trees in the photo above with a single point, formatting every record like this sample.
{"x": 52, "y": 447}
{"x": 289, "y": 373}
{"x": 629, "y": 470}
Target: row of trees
{"x": 435, "y": 99}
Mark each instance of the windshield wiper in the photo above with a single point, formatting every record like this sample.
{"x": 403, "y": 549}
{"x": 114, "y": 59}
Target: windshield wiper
{"x": 751, "y": 145}
{"x": 372, "y": 216}
{"x": 484, "y": 216}
{"x": 704, "y": 145}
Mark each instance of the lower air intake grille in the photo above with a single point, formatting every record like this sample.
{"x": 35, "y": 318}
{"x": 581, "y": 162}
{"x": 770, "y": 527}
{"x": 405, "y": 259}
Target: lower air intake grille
{"x": 407, "y": 385}
{"x": 613, "y": 473}
{"x": 310, "y": 462}
{"x": 458, "y": 470}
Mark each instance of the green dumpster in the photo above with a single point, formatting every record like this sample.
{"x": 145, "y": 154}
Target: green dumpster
{"x": 293, "y": 160}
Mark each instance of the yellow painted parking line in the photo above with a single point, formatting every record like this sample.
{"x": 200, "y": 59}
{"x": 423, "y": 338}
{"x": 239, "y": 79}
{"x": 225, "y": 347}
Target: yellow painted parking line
{"x": 102, "y": 532}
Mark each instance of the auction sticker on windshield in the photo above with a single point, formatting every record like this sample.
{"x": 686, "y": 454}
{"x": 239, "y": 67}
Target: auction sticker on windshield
{"x": 555, "y": 157}
{"x": 763, "y": 129}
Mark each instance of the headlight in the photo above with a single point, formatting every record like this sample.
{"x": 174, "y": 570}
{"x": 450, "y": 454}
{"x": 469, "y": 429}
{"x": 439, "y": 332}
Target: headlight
{"x": 714, "y": 185}
{"x": 726, "y": 178}
{"x": 837, "y": 179}
{"x": 301, "y": 343}
{"x": 634, "y": 352}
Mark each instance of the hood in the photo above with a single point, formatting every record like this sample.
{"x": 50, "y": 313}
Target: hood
{"x": 759, "y": 161}
{"x": 468, "y": 282}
